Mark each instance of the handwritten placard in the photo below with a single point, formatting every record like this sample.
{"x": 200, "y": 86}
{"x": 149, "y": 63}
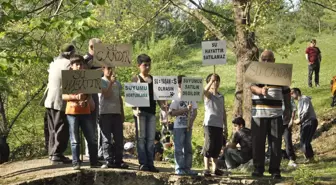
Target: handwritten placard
{"x": 269, "y": 73}
{"x": 214, "y": 52}
{"x": 81, "y": 81}
{"x": 165, "y": 88}
{"x": 192, "y": 89}
{"x": 112, "y": 55}
{"x": 136, "y": 94}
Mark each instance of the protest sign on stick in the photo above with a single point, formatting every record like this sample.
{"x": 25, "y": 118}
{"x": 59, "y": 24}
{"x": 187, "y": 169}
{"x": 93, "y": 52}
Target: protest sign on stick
{"x": 112, "y": 55}
{"x": 214, "y": 52}
{"x": 165, "y": 88}
{"x": 81, "y": 81}
{"x": 136, "y": 95}
{"x": 192, "y": 89}
{"x": 269, "y": 73}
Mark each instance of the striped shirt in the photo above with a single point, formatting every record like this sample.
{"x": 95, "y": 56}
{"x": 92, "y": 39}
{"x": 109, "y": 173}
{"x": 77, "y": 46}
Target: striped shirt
{"x": 269, "y": 106}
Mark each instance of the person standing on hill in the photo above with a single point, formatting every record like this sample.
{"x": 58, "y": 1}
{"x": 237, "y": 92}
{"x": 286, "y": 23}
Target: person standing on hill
{"x": 267, "y": 120}
{"x": 314, "y": 58}
{"x": 308, "y": 121}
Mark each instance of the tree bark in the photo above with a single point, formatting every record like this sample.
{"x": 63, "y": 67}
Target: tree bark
{"x": 3, "y": 121}
{"x": 246, "y": 52}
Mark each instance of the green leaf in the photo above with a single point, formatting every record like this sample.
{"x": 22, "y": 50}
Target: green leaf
{"x": 85, "y": 14}
{"x": 101, "y": 2}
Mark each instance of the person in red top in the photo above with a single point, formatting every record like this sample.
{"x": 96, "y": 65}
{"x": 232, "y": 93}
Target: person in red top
{"x": 78, "y": 110}
{"x": 313, "y": 56}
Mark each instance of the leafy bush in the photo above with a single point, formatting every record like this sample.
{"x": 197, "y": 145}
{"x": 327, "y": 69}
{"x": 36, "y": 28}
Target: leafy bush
{"x": 304, "y": 176}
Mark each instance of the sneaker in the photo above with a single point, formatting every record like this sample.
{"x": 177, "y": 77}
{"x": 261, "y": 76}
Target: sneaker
{"x": 218, "y": 172}
{"x": 96, "y": 165}
{"x": 257, "y": 174}
{"x": 180, "y": 172}
{"x": 153, "y": 169}
{"x": 292, "y": 163}
{"x": 66, "y": 160}
{"x": 276, "y": 176}
{"x": 76, "y": 166}
{"x": 143, "y": 168}
{"x": 60, "y": 160}
{"x": 206, "y": 173}
{"x": 108, "y": 165}
{"x": 122, "y": 166}
{"x": 317, "y": 85}
{"x": 191, "y": 172}
{"x": 310, "y": 160}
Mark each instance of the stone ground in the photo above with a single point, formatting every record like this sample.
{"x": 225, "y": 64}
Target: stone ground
{"x": 40, "y": 171}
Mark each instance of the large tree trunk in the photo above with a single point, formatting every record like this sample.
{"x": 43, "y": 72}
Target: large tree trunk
{"x": 246, "y": 52}
{"x": 3, "y": 119}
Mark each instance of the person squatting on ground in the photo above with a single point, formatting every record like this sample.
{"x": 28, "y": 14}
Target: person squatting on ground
{"x": 112, "y": 117}
{"x": 78, "y": 111}
{"x": 58, "y": 127}
{"x": 215, "y": 125}
{"x": 267, "y": 120}
{"x": 145, "y": 129}
{"x": 185, "y": 112}
{"x": 308, "y": 123}
{"x": 314, "y": 58}
{"x": 242, "y": 136}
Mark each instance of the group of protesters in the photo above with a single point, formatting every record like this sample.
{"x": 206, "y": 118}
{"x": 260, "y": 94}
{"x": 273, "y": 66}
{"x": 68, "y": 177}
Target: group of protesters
{"x": 101, "y": 117}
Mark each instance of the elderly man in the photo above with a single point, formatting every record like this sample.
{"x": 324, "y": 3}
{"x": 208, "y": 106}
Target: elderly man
{"x": 57, "y": 123}
{"x": 267, "y": 120}
{"x": 95, "y": 114}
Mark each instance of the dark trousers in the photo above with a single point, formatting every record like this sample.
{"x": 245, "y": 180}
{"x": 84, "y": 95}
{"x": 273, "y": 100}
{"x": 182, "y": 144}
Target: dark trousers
{"x": 307, "y": 132}
{"x": 287, "y": 134}
{"x": 314, "y": 68}
{"x": 112, "y": 124}
{"x": 272, "y": 128}
{"x": 46, "y": 130}
{"x": 58, "y": 132}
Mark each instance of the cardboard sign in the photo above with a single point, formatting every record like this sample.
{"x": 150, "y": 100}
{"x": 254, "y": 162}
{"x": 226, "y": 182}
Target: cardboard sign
{"x": 81, "y": 81}
{"x": 165, "y": 87}
{"x": 112, "y": 55}
{"x": 214, "y": 52}
{"x": 192, "y": 89}
{"x": 269, "y": 73}
{"x": 136, "y": 95}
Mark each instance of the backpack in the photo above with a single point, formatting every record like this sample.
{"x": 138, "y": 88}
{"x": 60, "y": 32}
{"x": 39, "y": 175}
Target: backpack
{"x": 333, "y": 91}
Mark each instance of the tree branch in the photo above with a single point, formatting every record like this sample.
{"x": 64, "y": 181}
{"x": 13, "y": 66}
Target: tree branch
{"x": 320, "y": 4}
{"x": 59, "y": 6}
{"x": 210, "y": 12}
{"x": 42, "y": 7}
{"x": 155, "y": 15}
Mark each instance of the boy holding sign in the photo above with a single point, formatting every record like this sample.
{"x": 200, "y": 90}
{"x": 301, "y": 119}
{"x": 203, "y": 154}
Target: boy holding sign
{"x": 78, "y": 110}
{"x": 111, "y": 112}
{"x": 146, "y": 126}
{"x": 215, "y": 125}
{"x": 182, "y": 133}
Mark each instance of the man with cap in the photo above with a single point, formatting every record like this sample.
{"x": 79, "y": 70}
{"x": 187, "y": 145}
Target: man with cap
{"x": 242, "y": 136}
{"x": 57, "y": 123}
{"x": 267, "y": 121}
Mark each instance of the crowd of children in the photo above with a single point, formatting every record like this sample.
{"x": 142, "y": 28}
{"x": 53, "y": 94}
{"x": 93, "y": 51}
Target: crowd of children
{"x": 270, "y": 113}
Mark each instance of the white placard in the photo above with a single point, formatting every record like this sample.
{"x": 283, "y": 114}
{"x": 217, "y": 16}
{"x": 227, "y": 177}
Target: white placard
{"x": 214, "y": 52}
{"x": 165, "y": 87}
{"x": 192, "y": 89}
{"x": 112, "y": 55}
{"x": 136, "y": 94}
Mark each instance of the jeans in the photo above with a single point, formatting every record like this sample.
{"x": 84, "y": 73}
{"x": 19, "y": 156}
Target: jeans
{"x": 145, "y": 132}
{"x": 307, "y": 132}
{"x": 85, "y": 122}
{"x": 314, "y": 68}
{"x": 287, "y": 133}
{"x": 232, "y": 158}
{"x": 112, "y": 124}
{"x": 272, "y": 128}
{"x": 183, "y": 149}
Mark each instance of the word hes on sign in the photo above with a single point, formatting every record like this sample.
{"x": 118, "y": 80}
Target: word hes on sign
{"x": 269, "y": 73}
{"x": 165, "y": 88}
{"x": 136, "y": 94}
{"x": 81, "y": 81}
{"x": 214, "y": 52}
{"x": 192, "y": 89}
{"x": 112, "y": 55}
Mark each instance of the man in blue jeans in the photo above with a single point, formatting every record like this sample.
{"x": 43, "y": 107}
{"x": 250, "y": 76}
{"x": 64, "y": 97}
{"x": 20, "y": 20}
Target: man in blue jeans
{"x": 308, "y": 121}
{"x": 145, "y": 129}
{"x": 182, "y": 132}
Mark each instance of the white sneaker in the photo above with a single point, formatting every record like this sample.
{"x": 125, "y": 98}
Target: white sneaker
{"x": 292, "y": 164}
